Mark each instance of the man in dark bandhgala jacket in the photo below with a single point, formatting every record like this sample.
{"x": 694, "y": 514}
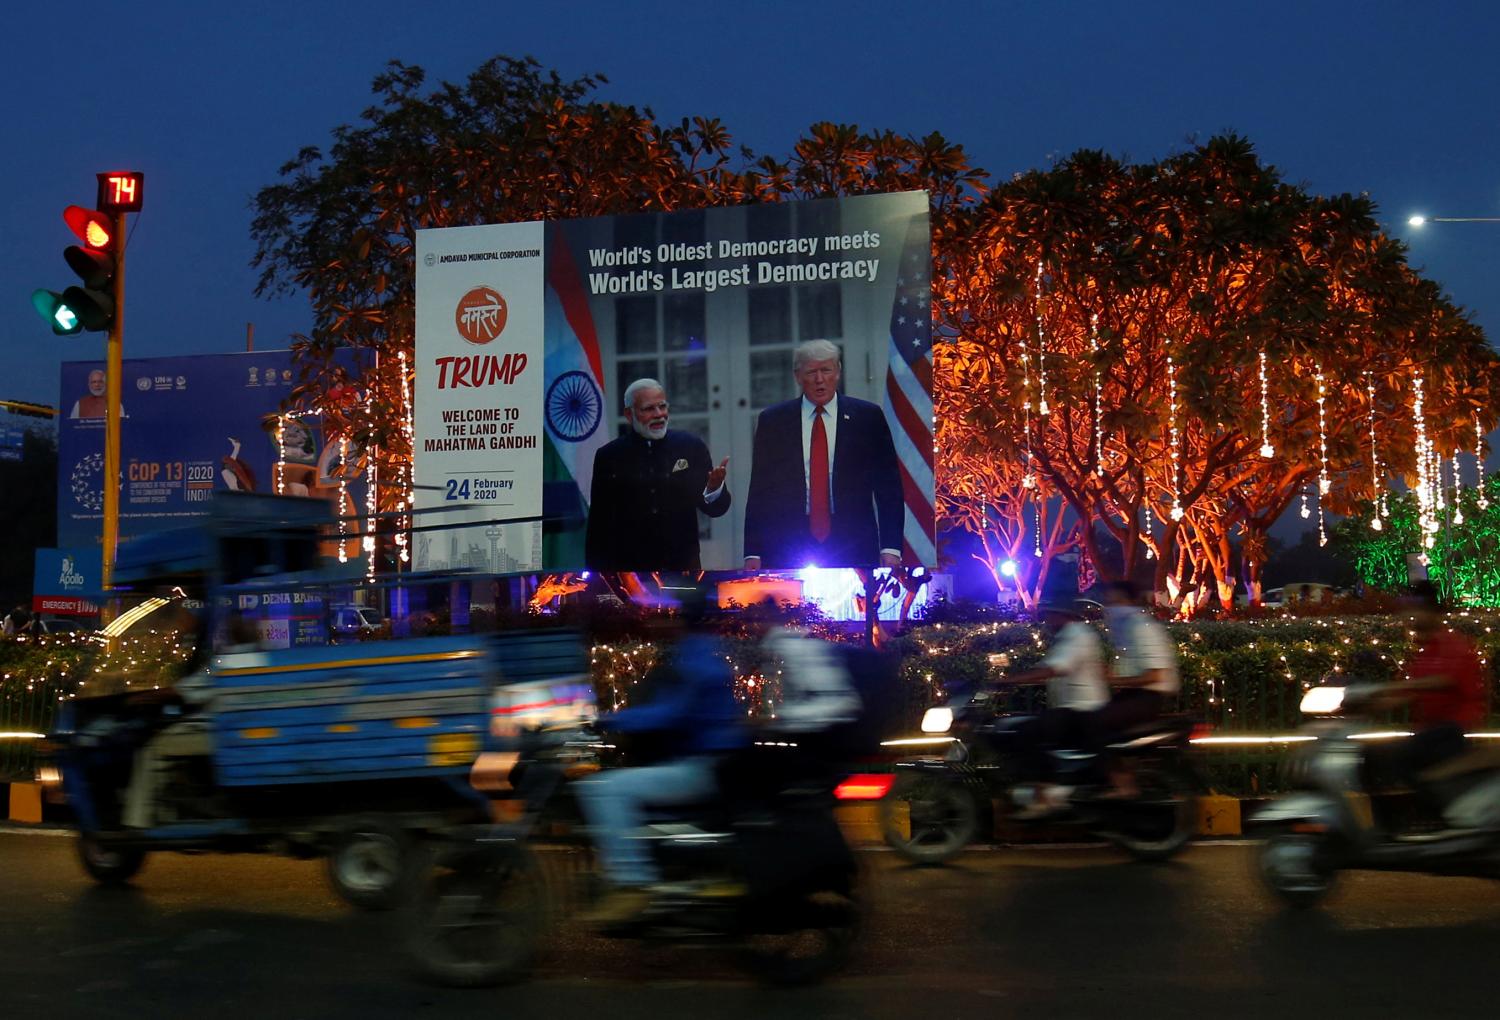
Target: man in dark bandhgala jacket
{"x": 825, "y": 482}
{"x": 649, "y": 487}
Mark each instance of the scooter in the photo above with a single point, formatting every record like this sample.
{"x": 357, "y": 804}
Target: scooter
{"x": 764, "y": 871}
{"x": 1323, "y": 827}
{"x": 969, "y": 757}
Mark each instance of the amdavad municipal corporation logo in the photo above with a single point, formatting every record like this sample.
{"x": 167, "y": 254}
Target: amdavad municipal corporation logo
{"x": 480, "y": 315}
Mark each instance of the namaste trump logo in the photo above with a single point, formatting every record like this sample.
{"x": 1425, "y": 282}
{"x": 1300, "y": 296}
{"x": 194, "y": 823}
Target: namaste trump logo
{"x": 480, "y": 315}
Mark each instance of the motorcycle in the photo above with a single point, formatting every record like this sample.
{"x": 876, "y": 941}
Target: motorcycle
{"x": 1323, "y": 826}
{"x": 970, "y": 756}
{"x": 764, "y": 870}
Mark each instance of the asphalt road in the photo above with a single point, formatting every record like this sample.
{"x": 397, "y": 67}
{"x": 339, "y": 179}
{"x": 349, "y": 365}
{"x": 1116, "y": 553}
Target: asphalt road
{"x": 1006, "y": 933}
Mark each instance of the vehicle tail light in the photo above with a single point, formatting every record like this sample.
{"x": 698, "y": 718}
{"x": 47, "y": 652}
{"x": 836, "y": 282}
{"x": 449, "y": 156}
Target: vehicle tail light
{"x": 864, "y": 786}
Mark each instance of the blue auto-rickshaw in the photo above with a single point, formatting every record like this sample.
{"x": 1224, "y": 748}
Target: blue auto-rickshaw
{"x": 272, "y": 739}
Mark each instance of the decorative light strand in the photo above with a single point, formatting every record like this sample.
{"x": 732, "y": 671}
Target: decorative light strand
{"x": 1484, "y": 503}
{"x": 1176, "y": 451}
{"x": 280, "y": 471}
{"x": 1426, "y": 518}
{"x": 1375, "y": 490}
{"x": 1098, "y": 394}
{"x": 1266, "y": 449}
{"x": 403, "y": 538}
{"x": 372, "y": 474}
{"x": 1458, "y": 510}
{"x": 343, "y": 496}
{"x": 1435, "y": 472}
{"x": 1150, "y": 553}
{"x": 1041, "y": 348}
{"x": 1028, "y": 479}
{"x": 1323, "y": 483}
{"x": 1037, "y": 506}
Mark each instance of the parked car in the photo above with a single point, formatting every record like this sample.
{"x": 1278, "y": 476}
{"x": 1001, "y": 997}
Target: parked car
{"x": 355, "y": 620}
{"x": 54, "y": 625}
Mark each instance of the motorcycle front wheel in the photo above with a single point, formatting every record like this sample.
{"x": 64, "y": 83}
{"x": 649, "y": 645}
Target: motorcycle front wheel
{"x": 108, "y": 864}
{"x": 928, "y": 819}
{"x": 480, "y": 917}
{"x": 817, "y": 944}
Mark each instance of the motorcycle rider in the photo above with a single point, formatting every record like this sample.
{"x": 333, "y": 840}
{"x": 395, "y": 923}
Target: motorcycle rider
{"x": 692, "y": 713}
{"x": 1074, "y": 673}
{"x": 1145, "y": 675}
{"x": 1445, "y": 689}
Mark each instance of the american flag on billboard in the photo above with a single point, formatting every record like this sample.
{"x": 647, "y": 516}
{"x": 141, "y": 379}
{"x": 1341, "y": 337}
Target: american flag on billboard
{"x": 908, "y": 393}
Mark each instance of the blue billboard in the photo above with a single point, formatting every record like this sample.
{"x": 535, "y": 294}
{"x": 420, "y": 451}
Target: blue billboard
{"x": 190, "y": 425}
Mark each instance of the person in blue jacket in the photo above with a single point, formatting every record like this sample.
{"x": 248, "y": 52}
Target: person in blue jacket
{"x": 694, "y": 720}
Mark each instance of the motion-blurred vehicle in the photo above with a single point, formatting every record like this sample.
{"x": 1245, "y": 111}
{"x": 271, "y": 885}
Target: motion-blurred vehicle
{"x": 763, "y": 870}
{"x": 353, "y": 752}
{"x": 970, "y": 756}
{"x": 1323, "y": 827}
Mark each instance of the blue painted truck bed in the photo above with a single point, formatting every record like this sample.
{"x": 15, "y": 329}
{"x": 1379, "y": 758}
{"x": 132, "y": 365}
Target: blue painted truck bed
{"x": 418, "y": 708}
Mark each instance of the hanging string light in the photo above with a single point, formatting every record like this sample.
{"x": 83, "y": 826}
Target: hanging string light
{"x": 1375, "y": 489}
{"x": 343, "y": 498}
{"x": 1041, "y": 348}
{"x": 1037, "y": 506}
{"x": 1426, "y": 517}
{"x": 372, "y": 475}
{"x": 1176, "y": 451}
{"x": 1323, "y": 483}
{"x": 1306, "y": 513}
{"x": 1150, "y": 553}
{"x": 280, "y": 472}
{"x": 1266, "y": 449}
{"x": 1028, "y": 480}
{"x": 1435, "y": 472}
{"x": 1484, "y": 503}
{"x": 403, "y": 538}
{"x": 1458, "y": 510}
{"x": 1098, "y": 394}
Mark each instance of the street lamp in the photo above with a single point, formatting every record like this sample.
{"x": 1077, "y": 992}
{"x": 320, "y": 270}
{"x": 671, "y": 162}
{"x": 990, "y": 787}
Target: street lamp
{"x": 1417, "y": 221}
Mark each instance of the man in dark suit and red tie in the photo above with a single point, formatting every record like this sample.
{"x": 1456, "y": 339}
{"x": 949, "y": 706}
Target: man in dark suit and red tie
{"x": 825, "y": 482}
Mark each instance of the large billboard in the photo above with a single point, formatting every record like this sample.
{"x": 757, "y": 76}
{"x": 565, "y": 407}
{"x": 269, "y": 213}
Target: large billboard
{"x": 778, "y": 362}
{"x": 191, "y": 425}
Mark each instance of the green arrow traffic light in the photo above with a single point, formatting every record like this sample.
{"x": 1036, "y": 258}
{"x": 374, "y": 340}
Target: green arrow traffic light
{"x": 54, "y": 307}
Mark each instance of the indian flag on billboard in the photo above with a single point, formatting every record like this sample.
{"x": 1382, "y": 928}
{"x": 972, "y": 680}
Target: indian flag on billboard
{"x": 575, "y": 403}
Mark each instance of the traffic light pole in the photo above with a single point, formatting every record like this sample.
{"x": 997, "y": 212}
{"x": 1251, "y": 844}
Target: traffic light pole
{"x": 114, "y": 367}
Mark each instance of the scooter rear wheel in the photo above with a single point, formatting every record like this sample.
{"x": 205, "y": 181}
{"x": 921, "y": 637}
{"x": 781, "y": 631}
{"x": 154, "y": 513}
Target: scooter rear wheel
{"x": 1164, "y": 818}
{"x": 370, "y": 865}
{"x": 1295, "y": 868}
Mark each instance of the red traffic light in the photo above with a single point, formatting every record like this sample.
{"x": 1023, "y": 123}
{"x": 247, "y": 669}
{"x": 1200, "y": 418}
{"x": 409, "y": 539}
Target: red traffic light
{"x": 93, "y": 228}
